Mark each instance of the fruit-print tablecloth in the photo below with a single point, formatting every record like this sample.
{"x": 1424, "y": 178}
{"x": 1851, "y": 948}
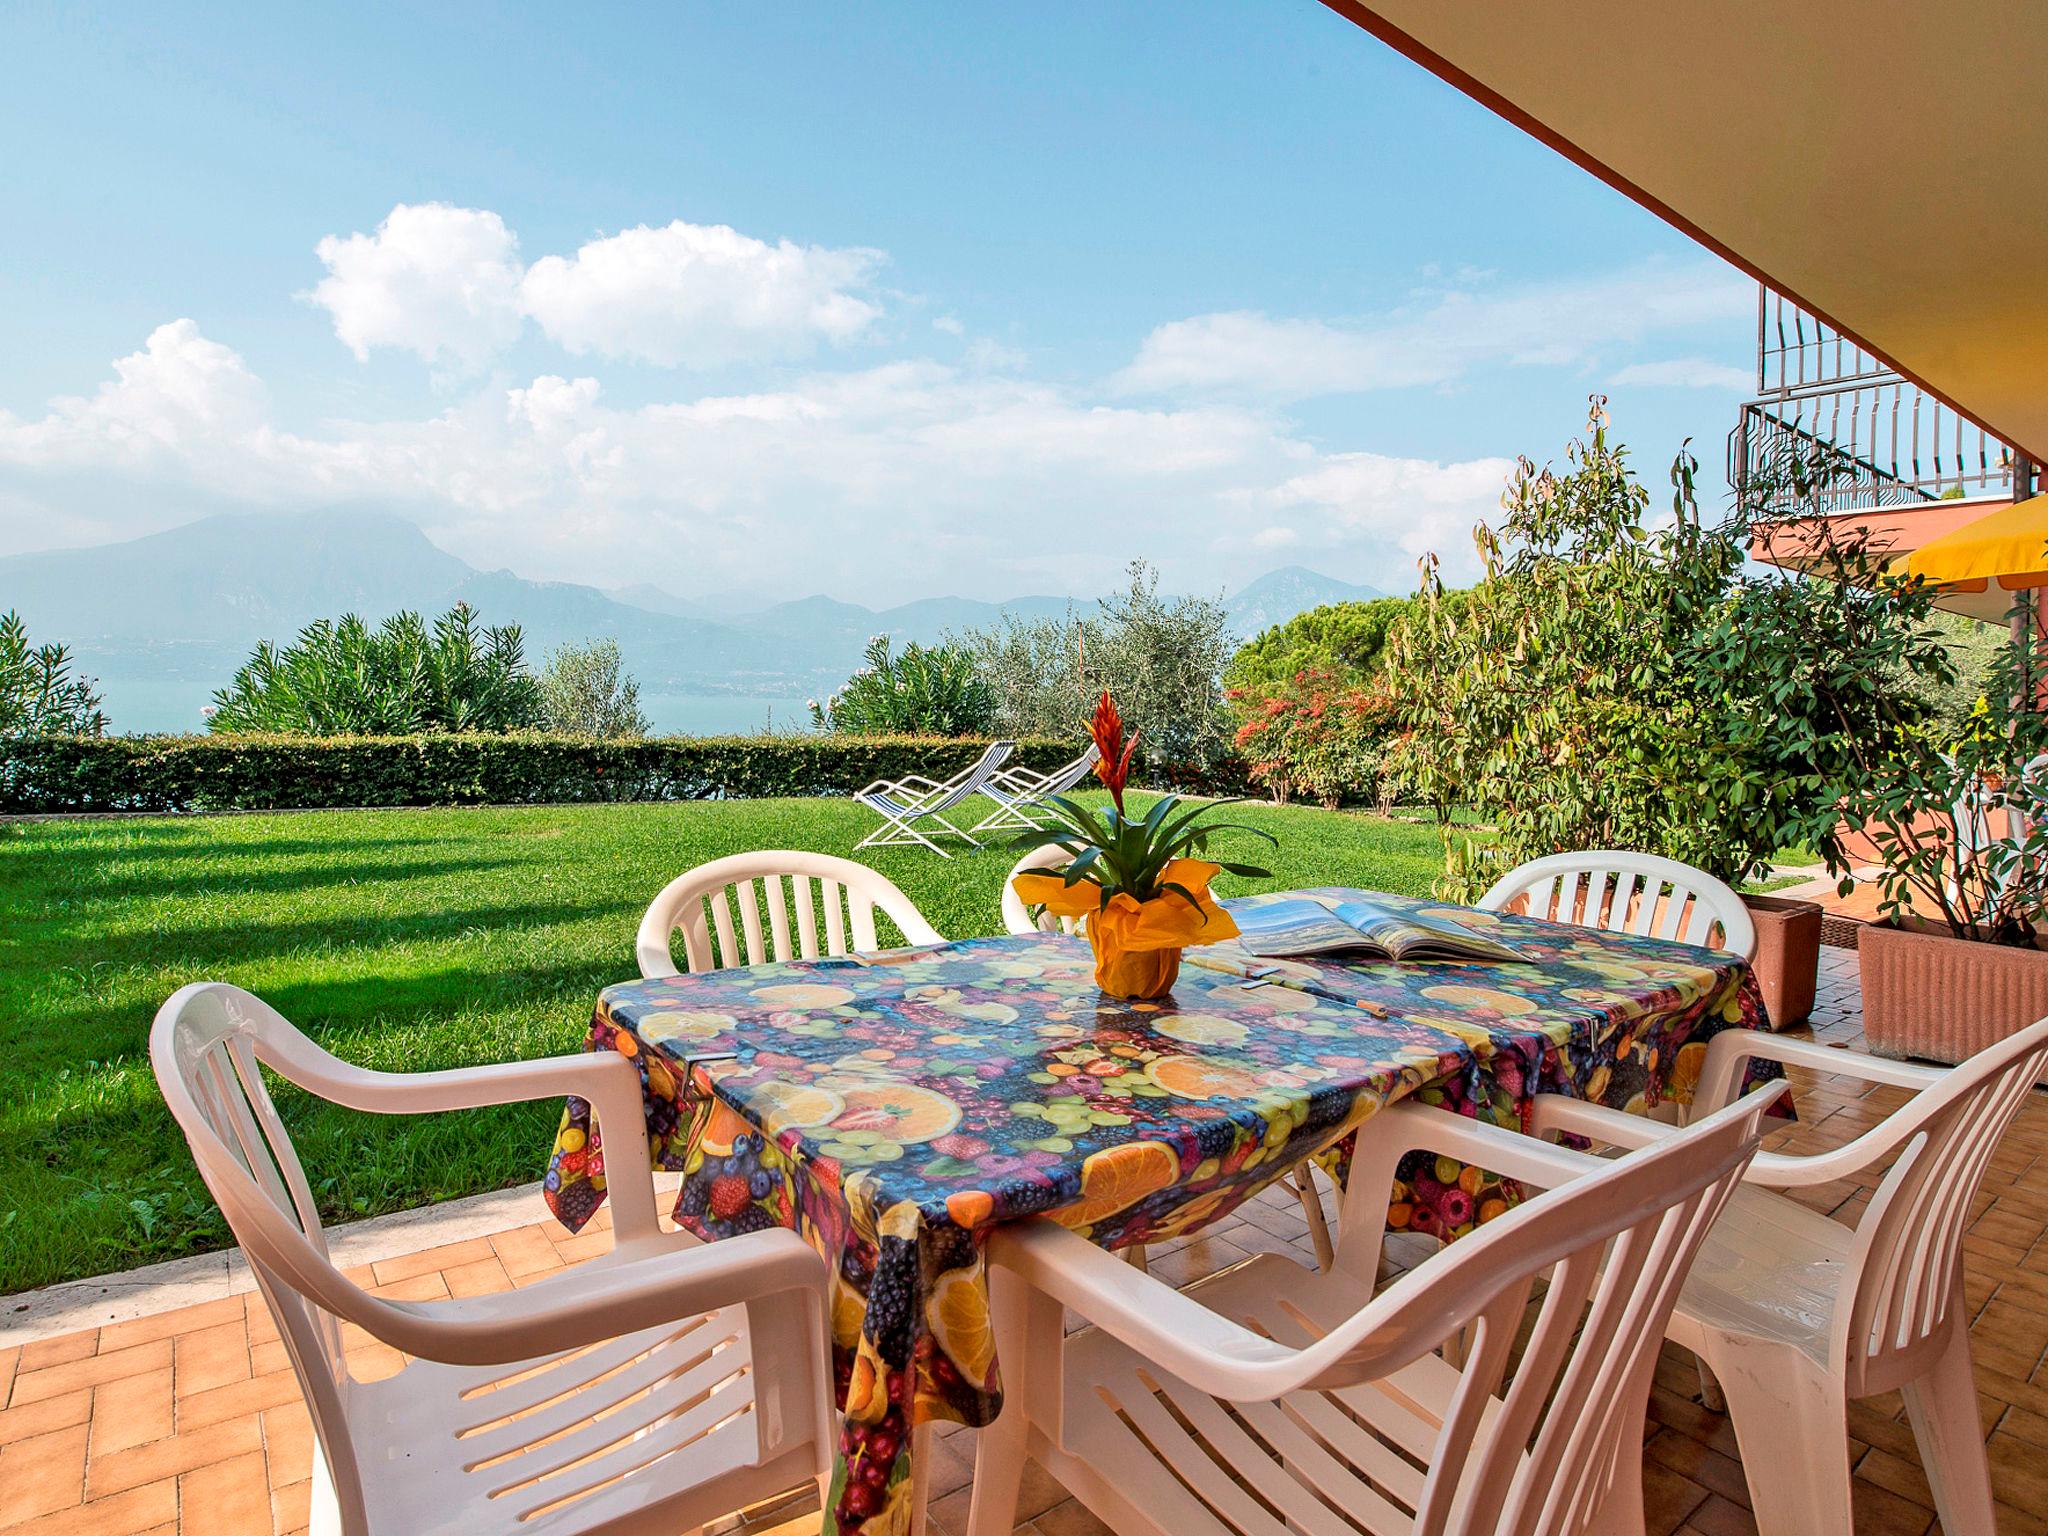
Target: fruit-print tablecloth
{"x": 893, "y": 1113}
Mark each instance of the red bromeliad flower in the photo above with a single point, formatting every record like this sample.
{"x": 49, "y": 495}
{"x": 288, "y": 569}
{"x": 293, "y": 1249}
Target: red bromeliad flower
{"x": 1115, "y": 765}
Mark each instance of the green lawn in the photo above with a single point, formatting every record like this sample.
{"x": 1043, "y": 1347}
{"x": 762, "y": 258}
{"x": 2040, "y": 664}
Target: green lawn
{"x": 403, "y": 940}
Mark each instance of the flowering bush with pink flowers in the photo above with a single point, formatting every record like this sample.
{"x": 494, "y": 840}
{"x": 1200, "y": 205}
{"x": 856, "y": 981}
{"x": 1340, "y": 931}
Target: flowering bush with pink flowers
{"x": 1319, "y": 736}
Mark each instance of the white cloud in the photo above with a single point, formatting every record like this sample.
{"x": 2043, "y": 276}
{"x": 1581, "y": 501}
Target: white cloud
{"x": 878, "y": 483}
{"x": 699, "y": 295}
{"x": 1383, "y": 503}
{"x": 1687, "y": 373}
{"x": 1434, "y": 342}
{"x": 434, "y": 279}
{"x": 447, "y": 284}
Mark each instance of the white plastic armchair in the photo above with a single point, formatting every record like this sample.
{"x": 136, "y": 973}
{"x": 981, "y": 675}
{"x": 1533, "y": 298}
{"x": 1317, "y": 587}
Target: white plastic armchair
{"x": 1638, "y": 893}
{"x": 906, "y": 805}
{"x": 1020, "y": 795}
{"x": 652, "y": 1389}
{"x": 814, "y": 904}
{"x": 1793, "y": 1314}
{"x": 1269, "y": 1399}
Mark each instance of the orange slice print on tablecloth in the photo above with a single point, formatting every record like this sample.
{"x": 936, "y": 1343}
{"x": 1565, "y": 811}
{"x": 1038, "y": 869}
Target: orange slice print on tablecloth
{"x": 803, "y": 994}
{"x": 780, "y": 1104}
{"x": 1202, "y": 1029}
{"x": 1509, "y": 1004}
{"x": 1196, "y": 1077}
{"x": 901, "y": 1112}
{"x": 1117, "y": 1177}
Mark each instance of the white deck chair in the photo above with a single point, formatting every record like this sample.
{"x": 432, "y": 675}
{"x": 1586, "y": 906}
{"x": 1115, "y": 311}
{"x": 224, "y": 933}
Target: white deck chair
{"x": 816, "y": 905}
{"x": 1020, "y": 919}
{"x": 1797, "y": 1314}
{"x": 1020, "y": 795}
{"x": 903, "y": 804}
{"x": 653, "y": 1389}
{"x": 1269, "y": 1400}
{"x": 1638, "y": 893}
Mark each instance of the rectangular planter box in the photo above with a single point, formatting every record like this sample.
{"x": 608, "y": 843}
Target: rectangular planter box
{"x": 1787, "y": 961}
{"x": 1943, "y": 998}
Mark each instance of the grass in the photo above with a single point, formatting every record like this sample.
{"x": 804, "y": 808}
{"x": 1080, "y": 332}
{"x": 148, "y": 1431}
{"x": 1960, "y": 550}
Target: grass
{"x": 403, "y": 940}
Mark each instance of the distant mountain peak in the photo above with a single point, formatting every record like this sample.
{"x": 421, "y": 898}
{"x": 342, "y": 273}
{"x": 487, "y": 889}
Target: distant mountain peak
{"x": 1279, "y": 595}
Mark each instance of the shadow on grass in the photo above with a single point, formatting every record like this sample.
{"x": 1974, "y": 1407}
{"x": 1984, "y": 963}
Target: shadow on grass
{"x": 363, "y": 872}
{"x": 240, "y": 944}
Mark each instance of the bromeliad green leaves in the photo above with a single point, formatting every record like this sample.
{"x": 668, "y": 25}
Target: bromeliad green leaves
{"x": 1125, "y": 853}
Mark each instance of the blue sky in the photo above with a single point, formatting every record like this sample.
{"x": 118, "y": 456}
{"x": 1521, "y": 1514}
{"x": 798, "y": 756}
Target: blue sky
{"x": 879, "y": 301}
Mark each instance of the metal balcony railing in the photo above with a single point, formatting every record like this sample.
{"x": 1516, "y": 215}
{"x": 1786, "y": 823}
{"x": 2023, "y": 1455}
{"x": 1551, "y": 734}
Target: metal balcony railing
{"x": 1833, "y": 429}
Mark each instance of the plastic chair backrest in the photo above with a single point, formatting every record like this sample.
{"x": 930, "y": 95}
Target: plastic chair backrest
{"x": 1538, "y": 1455}
{"x": 206, "y": 1047}
{"x": 777, "y": 904}
{"x": 1906, "y": 1279}
{"x": 1018, "y": 918}
{"x": 1622, "y": 892}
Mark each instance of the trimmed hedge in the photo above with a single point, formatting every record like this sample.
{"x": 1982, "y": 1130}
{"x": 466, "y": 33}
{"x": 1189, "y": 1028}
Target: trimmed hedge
{"x": 60, "y": 775}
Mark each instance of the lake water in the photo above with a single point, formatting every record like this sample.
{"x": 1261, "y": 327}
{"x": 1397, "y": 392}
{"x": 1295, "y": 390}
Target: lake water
{"x": 720, "y": 714}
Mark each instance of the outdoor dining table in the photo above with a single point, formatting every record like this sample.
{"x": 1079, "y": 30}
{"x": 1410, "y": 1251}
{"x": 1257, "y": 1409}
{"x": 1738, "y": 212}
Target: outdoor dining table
{"x": 894, "y": 1108}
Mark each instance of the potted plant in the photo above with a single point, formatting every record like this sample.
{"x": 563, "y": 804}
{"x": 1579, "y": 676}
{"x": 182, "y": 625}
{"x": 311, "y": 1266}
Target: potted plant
{"x": 1136, "y": 880}
{"x": 1956, "y": 825}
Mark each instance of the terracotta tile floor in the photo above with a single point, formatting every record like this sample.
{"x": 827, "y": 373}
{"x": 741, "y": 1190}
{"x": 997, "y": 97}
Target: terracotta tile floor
{"x": 190, "y": 1421}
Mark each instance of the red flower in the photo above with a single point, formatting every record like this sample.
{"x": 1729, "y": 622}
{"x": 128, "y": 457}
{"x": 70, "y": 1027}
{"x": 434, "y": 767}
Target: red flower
{"x": 1108, "y": 730}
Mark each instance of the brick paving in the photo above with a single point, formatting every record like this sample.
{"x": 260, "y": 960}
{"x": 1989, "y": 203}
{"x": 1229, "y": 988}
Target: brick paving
{"x": 190, "y": 1421}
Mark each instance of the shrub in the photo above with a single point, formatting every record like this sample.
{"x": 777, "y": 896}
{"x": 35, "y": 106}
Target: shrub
{"x": 1611, "y": 684}
{"x": 1344, "y": 640}
{"x": 59, "y": 775}
{"x": 1320, "y": 736}
{"x": 926, "y": 691}
{"x": 1161, "y": 657}
{"x": 399, "y": 679}
{"x": 586, "y": 691}
{"x": 38, "y": 694}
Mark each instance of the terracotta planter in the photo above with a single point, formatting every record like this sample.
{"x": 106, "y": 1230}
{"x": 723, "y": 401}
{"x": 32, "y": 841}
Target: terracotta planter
{"x": 1787, "y": 955}
{"x": 1927, "y": 993}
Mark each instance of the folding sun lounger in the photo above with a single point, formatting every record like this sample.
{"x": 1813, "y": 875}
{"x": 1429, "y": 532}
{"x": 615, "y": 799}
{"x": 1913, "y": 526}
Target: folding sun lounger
{"x": 904, "y": 804}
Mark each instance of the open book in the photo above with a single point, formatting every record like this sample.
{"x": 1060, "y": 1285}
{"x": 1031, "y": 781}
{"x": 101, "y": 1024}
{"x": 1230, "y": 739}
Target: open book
{"x": 1303, "y": 925}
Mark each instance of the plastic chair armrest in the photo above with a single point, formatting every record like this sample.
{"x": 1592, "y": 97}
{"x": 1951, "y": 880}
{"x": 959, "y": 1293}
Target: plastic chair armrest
{"x": 598, "y": 1301}
{"x": 1730, "y": 1050}
{"x": 609, "y": 1082}
{"x": 1720, "y": 1079}
{"x": 1596, "y": 1122}
{"x": 1400, "y": 1129}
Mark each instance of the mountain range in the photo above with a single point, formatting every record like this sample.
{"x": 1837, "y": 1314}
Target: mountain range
{"x": 164, "y": 620}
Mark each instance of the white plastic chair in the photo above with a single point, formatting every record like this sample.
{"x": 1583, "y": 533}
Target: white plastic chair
{"x": 816, "y": 905}
{"x": 904, "y": 804}
{"x": 652, "y": 1389}
{"x": 1269, "y": 1400}
{"x": 1638, "y": 893}
{"x": 1796, "y": 1314}
{"x": 1020, "y": 795}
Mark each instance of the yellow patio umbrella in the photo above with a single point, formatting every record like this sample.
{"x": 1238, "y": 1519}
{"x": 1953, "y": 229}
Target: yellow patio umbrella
{"x": 1982, "y": 566}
